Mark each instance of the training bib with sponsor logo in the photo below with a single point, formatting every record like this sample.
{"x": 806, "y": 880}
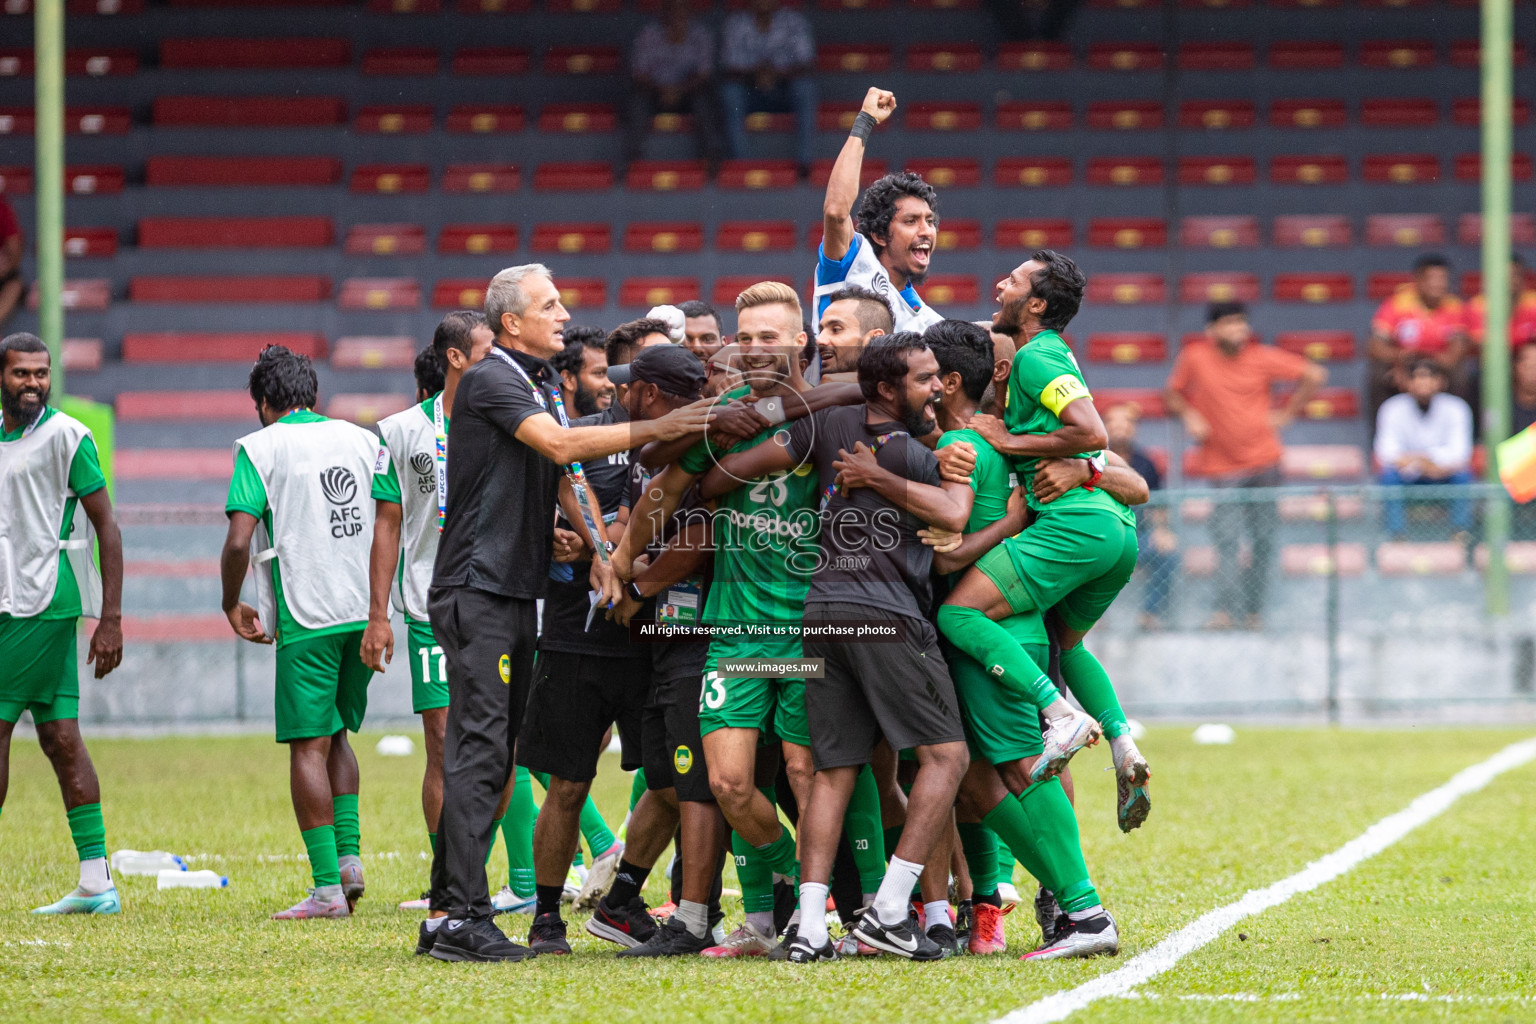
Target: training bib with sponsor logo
{"x": 35, "y": 495}
{"x": 410, "y": 446}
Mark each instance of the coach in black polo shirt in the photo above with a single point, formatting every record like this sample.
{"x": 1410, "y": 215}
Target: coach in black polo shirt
{"x": 509, "y": 445}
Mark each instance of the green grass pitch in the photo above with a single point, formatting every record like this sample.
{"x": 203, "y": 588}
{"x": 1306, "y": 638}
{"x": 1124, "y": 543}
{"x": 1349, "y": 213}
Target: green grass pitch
{"x": 1438, "y": 927}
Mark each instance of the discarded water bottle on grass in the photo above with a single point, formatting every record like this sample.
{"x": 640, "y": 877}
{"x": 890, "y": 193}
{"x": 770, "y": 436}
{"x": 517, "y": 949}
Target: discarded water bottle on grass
{"x": 172, "y": 879}
{"x": 139, "y": 862}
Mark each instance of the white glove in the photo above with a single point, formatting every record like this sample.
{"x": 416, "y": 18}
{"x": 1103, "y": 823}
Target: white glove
{"x": 675, "y": 320}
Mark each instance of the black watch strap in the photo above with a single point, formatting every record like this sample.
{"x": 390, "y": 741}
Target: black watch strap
{"x": 633, "y": 589}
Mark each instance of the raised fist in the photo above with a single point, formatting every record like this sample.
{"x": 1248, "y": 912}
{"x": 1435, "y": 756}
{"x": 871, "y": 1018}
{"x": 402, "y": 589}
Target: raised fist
{"x": 879, "y": 104}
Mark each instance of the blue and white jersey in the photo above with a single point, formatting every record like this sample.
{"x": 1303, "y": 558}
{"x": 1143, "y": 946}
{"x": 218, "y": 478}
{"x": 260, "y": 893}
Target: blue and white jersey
{"x": 860, "y": 267}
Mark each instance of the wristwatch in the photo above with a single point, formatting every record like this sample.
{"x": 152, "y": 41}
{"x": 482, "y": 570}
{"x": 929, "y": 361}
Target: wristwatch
{"x": 1095, "y": 471}
{"x": 633, "y": 590}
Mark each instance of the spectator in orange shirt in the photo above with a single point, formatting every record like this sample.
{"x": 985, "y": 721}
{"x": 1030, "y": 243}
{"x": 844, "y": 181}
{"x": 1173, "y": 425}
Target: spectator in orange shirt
{"x": 1421, "y": 318}
{"x": 1522, "y": 309}
{"x": 12, "y": 246}
{"x": 1222, "y": 387}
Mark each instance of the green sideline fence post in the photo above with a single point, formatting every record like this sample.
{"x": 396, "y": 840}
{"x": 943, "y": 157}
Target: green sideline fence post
{"x": 1497, "y": 62}
{"x": 48, "y": 55}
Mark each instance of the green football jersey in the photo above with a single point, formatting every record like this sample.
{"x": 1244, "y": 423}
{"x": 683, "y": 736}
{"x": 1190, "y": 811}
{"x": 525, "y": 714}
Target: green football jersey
{"x": 1045, "y": 380}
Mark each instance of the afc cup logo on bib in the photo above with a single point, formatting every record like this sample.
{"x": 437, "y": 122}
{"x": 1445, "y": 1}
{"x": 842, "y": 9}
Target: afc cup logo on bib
{"x": 340, "y": 488}
{"x": 504, "y": 666}
{"x": 682, "y": 760}
{"x": 426, "y": 472}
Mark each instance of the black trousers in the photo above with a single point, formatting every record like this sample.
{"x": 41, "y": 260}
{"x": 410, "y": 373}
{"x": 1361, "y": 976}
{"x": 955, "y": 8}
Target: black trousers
{"x": 489, "y": 643}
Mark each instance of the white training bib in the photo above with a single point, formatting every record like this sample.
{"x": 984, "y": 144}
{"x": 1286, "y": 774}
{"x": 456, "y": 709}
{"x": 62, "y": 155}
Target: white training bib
{"x": 34, "y": 489}
{"x": 866, "y": 272}
{"x": 318, "y": 477}
{"x": 410, "y": 441}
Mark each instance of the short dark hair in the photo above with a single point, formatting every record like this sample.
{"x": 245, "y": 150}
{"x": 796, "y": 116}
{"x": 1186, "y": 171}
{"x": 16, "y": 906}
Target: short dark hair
{"x": 964, "y": 348}
{"x": 808, "y": 351}
{"x": 1430, "y": 364}
{"x": 698, "y": 307}
{"x": 884, "y": 361}
{"x": 623, "y": 338}
{"x": 283, "y": 379}
{"x": 1429, "y": 261}
{"x": 1221, "y": 310}
{"x": 1060, "y": 284}
{"x": 21, "y": 341}
{"x": 872, "y": 310}
{"x": 577, "y": 340}
{"x": 430, "y": 375}
{"x": 453, "y": 331}
{"x": 878, "y": 204}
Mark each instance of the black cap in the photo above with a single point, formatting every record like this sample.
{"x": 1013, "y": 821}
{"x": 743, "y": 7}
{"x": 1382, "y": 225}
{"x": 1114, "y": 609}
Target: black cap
{"x": 672, "y": 368}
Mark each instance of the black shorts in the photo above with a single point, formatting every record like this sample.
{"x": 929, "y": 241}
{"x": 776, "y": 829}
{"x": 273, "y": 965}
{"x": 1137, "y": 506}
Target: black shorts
{"x": 574, "y": 699}
{"x": 678, "y": 660}
{"x": 900, "y": 690}
{"x": 674, "y": 751}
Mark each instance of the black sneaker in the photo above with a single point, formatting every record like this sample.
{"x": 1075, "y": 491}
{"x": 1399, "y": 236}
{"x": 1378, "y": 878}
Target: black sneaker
{"x": 548, "y": 935}
{"x": 671, "y": 939}
{"x": 1047, "y": 914}
{"x": 477, "y": 940}
{"x": 965, "y": 920}
{"x": 902, "y": 939}
{"x": 785, "y": 902}
{"x": 799, "y": 951}
{"x": 629, "y": 925}
{"x": 943, "y": 936}
{"x": 426, "y": 939}
{"x": 781, "y": 951}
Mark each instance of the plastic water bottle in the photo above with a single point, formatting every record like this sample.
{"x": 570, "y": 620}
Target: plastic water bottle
{"x": 138, "y": 862}
{"x": 172, "y": 879}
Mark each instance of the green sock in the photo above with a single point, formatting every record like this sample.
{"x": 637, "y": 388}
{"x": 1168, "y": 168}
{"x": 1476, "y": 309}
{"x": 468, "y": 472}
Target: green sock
{"x": 321, "y": 844}
{"x": 754, "y": 874}
{"x": 491, "y": 846}
{"x": 1040, "y": 828}
{"x": 980, "y": 848}
{"x": 1090, "y": 684}
{"x": 998, "y": 651}
{"x": 349, "y": 835}
{"x": 1005, "y": 860}
{"x": 780, "y": 854}
{"x": 432, "y": 842}
{"x": 543, "y": 778}
{"x": 89, "y": 831}
{"x": 637, "y": 789}
{"x": 862, "y": 823}
{"x": 599, "y": 838}
{"x": 517, "y": 830}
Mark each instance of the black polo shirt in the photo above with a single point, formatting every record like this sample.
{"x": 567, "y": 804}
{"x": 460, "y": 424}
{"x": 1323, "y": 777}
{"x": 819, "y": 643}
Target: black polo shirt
{"x": 499, "y": 524}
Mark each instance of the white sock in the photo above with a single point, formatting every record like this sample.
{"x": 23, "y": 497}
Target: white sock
{"x": 1057, "y": 710}
{"x": 695, "y": 917}
{"x": 761, "y": 920}
{"x": 813, "y": 913}
{"x": 1083, "y": 915}
{"x": 934, "y": 913}
{"x": 95, "y": 876}
{"x": 434, "y": 923}
{"x": 349, "y": 860}
{"x": 896, "y": 891}
{"x": 1121, "y": 747}
{"x": 327, "y": 893}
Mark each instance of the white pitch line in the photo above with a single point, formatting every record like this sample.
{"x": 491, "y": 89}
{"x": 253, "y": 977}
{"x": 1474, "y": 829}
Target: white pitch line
{"x": 1206, "y": 928}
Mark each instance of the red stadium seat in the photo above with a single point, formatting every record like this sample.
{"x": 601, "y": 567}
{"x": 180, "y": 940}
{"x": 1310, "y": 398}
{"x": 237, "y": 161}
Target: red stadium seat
{"x": 869, "y": 172}
{"x": 1324, "y": 346}
{"x": 385, "y": 240}
{"x": 401, "y": 60}
{"x": 120, "y": 8}
{"x": 405, "y": 6}
{"x": 1032, "y": 172}
{"x": 1125, "y": 57}
{"x": 82, "y": 355}
{"x": 851, "y": 5}
{"x": 459, "y": 293}
{"x": 838, "y": 116}
{"x": 1233, "y": 56}
{"x": 958, "y": 234}
{"x": 1214, "y": 5}
{"x": 373, "y": 353}
{"x": 1404, "y": 229}
{"x": 1235, "y": 232}
{"x": 202, "y": 347}
{"x": 577, "y": 176}
{"x": 665, "y": 176}
{"x": 584, "y": 6}
{"x": 16, "y": 121}
{"x": 1127, "y": 289}
{"x": 1314, "y": 288}
{"x": 93, "y": 61}
{"x": 1218, "y": 287}
{"x": 1468, "y": 53}
{"x": 855, "y": 58}
{"x": 93, "y": 179}
{"x": 943, "y": 117}
{"x": 15, "y": 181}
{"x": 959, "y": 173}
{"x": 1401, "y": 168}
{"x": 394, "y": 119}
{"x": 1016, "y": 115}
{"x": 1128, "y": 170}
{"x": 578, "y": 118}
{"x": 1125, "y": 115}
{"x": 485, "y": 119}
{"x": 271, "y": 288}
{"x": 1381, "y": 285}
{"x": 1421, "y": 558}
{"x": 1034, "y": 56}
{"x": 946, "y": 5}
{"x": 366, "y": 410}
{"x": 173, "y": 464}
{"x": 1347, "y": 559}
{"x": 725, "y": 289}
{"x": 482, "y": 178}
{"x": 1316, "y": 507}
{"x": 477, "y": 239}
{"x": 964, "y": 58}
{"x": 1399, "y": 112}
{"x": 764, "y": 121}
{"x": 1468, "y": 111}
{"x": 92, "y": 294}
{"x": 667, "y": 236}
{"x": 256, "y": 54}
{"x": 1127, "y": 347}
{"x": 582, "y": 60}
{"x": 1216, "y": 115}
{"x": 224, "y": 171}
{"x": 658, "y": 291}
{"x": 755, "y": 236}
{"x": 757, "y": 174}
{"x": 1522, "y": 229}
{"x": 1032, "y": 234}
{"x": 1312, "y": 113}
{"x": 247, "y": 111}
{"x": 1328, "y": 404}
{"x": 1323, "y": 462}
{"x": 950, "y": 289}
{"x": 497, "y": 61}
{"x": 1313, "y": 231}
{"x": 568, "y": 237}
{"x": 379, "y": 293}
{"x": 1519, "y": 557}
{"x": 1127, "y": 233}
{"x": 1217, "y": 170}
{"x": 389, "y": 179}
{"x": 1148, "y": 402}
{"x": 92, "y": 243}
{"x": 1325, "y": 169}
{"x": 1305, "y": 4}
{"x": 1398, "y": 54}
{"x": 1306, "y": 55}
{"x": 235, "y": 232}
{"x": 583, "y": 292}
{"x": 1469, "y": 167}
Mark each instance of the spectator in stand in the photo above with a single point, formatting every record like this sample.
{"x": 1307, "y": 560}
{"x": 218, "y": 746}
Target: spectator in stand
{"x": 12, "y": 247}
{"x": 1158, "y": 547}
{"x": 1421, "y": 318}
{"x": 1222, "y": 386}
{"x": 766, "y": 57}
{"x": 1522, "y": 402}
{"x": 1522, "y": 309}
{"x": 702, "y": 329}
{"x": 672, "y": 69}
{"x": 1424, "y": 436}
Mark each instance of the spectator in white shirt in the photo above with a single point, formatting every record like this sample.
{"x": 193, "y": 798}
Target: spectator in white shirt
{"x": 767, "y": 55}
{"x": 672, "y": 67}
{"x": 1424, "y": 436}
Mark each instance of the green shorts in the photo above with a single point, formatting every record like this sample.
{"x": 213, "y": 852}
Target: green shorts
{"x": 768, "y": 705}
{"x": 322, "y": 686}
{"x": 1076, "y": 562}
{"x": 39, "y": 669}
{"x": 429, "y": 667}
{"x": 1000, "y": 725}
